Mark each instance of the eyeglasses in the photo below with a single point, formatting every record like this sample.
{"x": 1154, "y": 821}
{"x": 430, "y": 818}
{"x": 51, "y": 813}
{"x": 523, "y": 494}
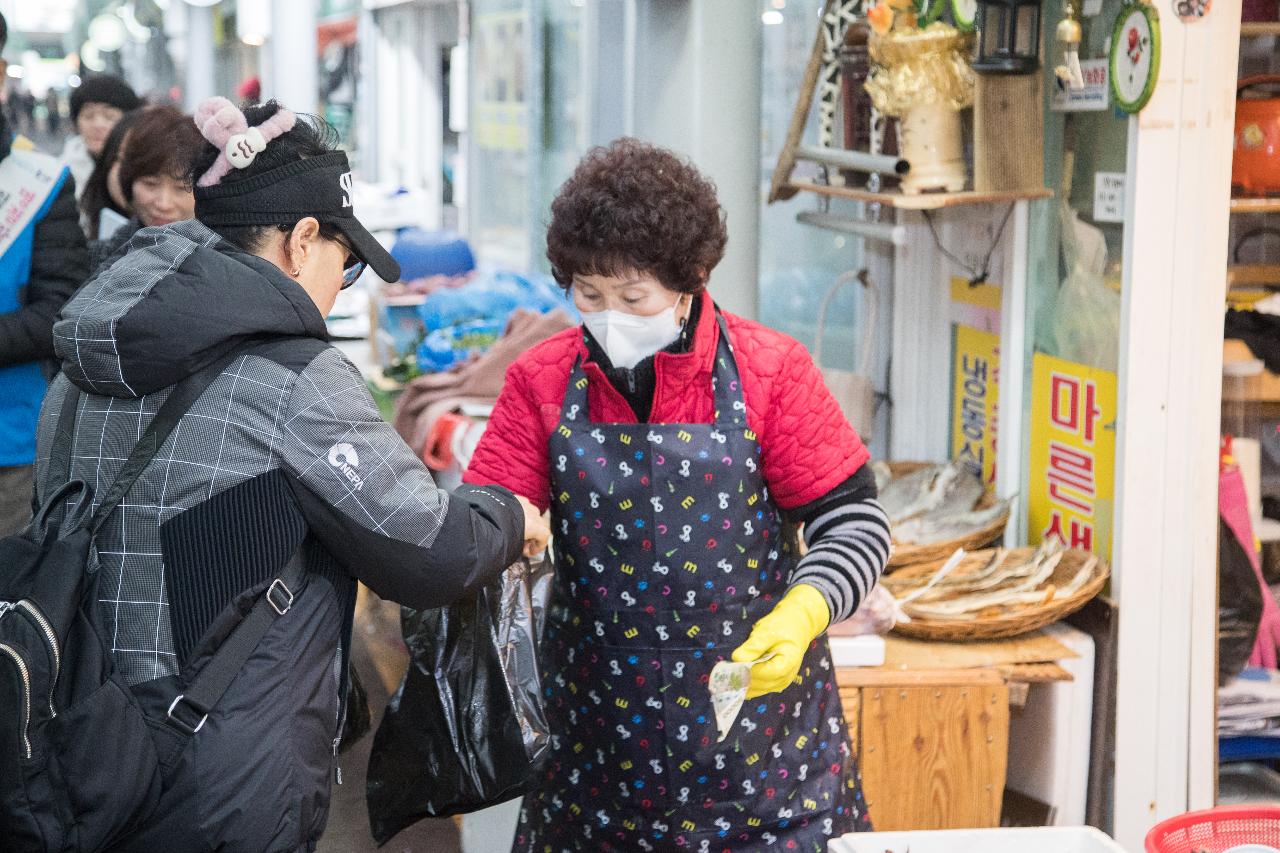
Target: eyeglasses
{"x": 352, "y": 268}
{"x": 352, "y": 271}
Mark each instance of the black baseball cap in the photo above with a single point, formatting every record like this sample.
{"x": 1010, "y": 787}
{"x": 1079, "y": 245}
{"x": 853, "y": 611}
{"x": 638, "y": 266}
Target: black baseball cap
{"x": 314, "y": 186}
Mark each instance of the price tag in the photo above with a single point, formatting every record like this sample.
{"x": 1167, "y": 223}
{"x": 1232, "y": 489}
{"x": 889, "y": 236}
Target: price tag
{"x": 1108, "y": 197}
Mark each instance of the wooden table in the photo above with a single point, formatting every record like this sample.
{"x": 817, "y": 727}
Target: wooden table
{"x": 930, "y": 728}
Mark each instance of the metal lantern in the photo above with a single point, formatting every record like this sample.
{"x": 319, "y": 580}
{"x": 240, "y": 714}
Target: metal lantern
{"x": 1008, "y": 37}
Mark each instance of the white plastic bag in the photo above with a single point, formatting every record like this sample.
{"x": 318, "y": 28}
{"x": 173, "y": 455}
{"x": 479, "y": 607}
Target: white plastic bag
{"x": 1083, "y": 322}
{"x": 877, "y": 614}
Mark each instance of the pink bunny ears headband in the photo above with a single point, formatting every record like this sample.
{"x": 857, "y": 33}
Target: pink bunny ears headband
{"x": 225, "y": 127}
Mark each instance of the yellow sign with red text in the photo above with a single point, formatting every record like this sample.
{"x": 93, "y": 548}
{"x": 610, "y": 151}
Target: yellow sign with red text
{"x": 975, "y": 399}
{"x": 1073, "y": 452}
{"x": 975, "y": 375}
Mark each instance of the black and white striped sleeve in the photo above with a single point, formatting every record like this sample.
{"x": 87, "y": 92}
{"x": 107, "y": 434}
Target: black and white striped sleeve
{"x": 848, "y": 541}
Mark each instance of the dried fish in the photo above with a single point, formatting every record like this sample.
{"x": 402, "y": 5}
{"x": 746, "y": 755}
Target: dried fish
{"x": 902, "y": 494}
{"x": 956, "y": 559}
{"x": 942, "y": 526}
{"x": 1025, "y": 588}
{"x": 960, "y": 494}
{"x": 932, "y": 504}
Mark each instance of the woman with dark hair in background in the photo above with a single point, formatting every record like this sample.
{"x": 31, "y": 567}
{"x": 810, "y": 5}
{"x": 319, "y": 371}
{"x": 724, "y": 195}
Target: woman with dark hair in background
{"x": 154, "y": 179}
{"x": 103, "y": 206}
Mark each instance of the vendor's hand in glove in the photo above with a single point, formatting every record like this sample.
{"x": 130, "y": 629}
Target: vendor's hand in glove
{"x": 785, "y": 633}
{"x": 536, "y": 530}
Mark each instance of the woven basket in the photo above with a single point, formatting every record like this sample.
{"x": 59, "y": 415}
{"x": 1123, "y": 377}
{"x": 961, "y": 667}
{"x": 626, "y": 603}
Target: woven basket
{"x": 997, "y": 623}
{"x": 911, "y": 555}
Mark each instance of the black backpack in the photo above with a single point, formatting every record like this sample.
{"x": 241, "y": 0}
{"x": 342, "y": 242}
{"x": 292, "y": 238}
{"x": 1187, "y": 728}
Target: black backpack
{"x": 81, "y": 762}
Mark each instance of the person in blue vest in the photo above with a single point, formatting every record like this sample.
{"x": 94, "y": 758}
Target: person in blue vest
{"x": 43, "y": 259}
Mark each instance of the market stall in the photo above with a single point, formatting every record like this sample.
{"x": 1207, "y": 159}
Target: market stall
{"x": 1061, "y": 346}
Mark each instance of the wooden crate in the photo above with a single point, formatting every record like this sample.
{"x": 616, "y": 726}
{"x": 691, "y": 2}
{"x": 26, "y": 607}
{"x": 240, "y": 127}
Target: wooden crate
{"x": 932, "y": 745}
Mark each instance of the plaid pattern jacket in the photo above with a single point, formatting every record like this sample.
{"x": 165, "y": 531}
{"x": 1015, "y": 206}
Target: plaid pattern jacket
{"x": 284, "y": 453}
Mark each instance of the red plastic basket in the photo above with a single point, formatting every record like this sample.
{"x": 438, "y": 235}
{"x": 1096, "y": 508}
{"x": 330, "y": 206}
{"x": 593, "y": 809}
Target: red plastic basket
{"x": 1216, "y": 830}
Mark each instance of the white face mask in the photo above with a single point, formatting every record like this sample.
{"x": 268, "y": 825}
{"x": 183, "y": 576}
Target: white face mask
{"x": 629, "y": 339}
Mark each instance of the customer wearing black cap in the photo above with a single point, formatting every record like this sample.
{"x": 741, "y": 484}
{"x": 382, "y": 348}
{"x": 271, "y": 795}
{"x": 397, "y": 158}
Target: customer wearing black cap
{"x": 283, "y": 456}
{"x": 96, "y": 105}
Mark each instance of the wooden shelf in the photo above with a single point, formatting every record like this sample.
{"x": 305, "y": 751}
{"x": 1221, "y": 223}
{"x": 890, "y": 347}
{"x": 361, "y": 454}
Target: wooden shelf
{"x": 1259, "y": 29}
{"x": 1255, "y": 205}
{"x": 924, "y": 201}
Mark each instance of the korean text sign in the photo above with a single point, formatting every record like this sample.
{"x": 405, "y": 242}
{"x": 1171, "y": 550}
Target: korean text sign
{"x": 1073, "y": 447}
{"x": 975, "y": 375}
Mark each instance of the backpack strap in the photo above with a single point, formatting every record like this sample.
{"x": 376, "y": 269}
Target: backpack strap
{"x": 190, "y": 709}
{"x": 64, "y": 435}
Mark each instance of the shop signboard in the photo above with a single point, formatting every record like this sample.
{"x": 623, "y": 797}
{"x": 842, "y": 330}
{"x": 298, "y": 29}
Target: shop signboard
{"x": 975, "y": 375}
{"x": 1073, "y": 448}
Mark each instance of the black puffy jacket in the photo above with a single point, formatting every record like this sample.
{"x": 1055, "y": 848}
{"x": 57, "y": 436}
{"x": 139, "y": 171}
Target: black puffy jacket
{"x": 59, "y": 264}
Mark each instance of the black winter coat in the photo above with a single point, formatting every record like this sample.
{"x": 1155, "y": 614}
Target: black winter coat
{"x": 59, "y": 265}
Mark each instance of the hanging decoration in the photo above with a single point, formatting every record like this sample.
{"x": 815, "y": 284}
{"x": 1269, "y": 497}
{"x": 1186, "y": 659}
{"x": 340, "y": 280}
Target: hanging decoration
{"x": 1135, "y": 56}
{"x": 1069, "y": 34}
{"x": 923, "y": 76}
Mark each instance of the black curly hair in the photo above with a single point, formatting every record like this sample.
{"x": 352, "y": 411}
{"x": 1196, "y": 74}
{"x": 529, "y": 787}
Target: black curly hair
{"x": 634, "y": 207}
{"x": 311, "y": 136}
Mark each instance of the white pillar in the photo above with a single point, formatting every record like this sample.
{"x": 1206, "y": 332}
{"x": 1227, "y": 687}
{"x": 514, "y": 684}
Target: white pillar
{"x": 200, "y": 79}
{"x": 1166, "y": 541}
{"x": 296, "y": 80}
{"x": 697, "y": 91}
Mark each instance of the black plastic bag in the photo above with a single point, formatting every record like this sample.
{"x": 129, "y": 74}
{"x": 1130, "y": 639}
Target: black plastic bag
{"x": 1239, "y": 605}
{"x": 466, "y": 729}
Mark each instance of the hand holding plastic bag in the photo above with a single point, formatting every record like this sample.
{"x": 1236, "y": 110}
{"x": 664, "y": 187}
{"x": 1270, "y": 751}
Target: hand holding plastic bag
{"x": 466, "y": 729}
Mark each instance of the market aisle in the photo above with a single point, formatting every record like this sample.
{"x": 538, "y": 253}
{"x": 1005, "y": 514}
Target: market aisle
{"x": 379, "y": 658}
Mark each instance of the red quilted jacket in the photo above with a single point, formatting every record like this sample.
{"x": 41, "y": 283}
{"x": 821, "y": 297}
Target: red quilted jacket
{"x": 808, "y": 446}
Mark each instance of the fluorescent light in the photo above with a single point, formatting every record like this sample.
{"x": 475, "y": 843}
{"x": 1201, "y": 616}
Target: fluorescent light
{"x": 254, "y": 39}
{"x": 771, "y": 18}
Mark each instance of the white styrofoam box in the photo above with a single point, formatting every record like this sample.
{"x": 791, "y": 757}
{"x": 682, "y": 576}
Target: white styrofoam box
{"x": 1049, "y": 737}
{"x": 491, "y": 829}
{"x": 1056, "y": 839}
{"x": 866, "y": 650}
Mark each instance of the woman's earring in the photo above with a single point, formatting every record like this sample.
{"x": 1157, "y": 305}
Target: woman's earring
{"x": 297, "y": 271}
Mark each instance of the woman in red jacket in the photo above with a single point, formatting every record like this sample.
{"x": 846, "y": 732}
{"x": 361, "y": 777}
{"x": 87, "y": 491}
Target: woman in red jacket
{"x": 677, "y": 447}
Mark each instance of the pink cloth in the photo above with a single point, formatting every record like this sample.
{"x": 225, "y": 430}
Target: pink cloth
{"x": 1233, "y": 506}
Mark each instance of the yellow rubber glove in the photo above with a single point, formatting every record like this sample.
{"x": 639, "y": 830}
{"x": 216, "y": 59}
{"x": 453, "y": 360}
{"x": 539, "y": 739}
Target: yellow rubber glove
{"x": 785, "y": 633}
